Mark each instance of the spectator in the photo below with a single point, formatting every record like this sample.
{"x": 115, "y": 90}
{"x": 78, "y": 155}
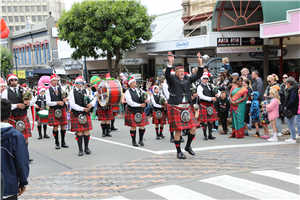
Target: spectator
{"x": 291, "y": 104}
{"x": 245, "y": 73}
{"x": 194, "y": 70}
{"x": 273, "y": 111}
{"x": 226, "y": 65}
{"x": 254, "y": 112}
{"x": 272, "y": 80}
{"x": 226, "y": 81}
{"x": 247, "y": 120}
{"x": 258, "y": 84}
{"x": 283, "y": 84}
{"x": 278, "y": 120}
{"x": 14, "y": 156}
{"x": 222, "y": 107}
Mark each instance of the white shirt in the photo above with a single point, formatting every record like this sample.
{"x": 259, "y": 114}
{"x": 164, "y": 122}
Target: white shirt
{"x": 48, "y": 97}
{"x": 128, "y": 98}
{"x": 14, "y": 106}
{"x": 36, "y": 97}
{"x": 166, "y": 90}
{"x": 75, "y": 106}
{"x": 154, "y": 102}
{"x": 201, "y": 95}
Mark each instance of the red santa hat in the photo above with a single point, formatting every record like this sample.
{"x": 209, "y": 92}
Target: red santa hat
{"x": 11, "y": 76}
{"x": 185, "y": 73}
{"x": 207, "y": 74}
{"x": 130, "y": 80}
{"x": 79, "y": 79}
{"x": 24, "y": 85}
{"x": 153, "y": 87}
{"x": 41, "y": 89}
{"x": 107, "y": 76}
{"x": 204, "y": 76}
{"x": 53, "y": 77}
{"x": 2, "y": 82}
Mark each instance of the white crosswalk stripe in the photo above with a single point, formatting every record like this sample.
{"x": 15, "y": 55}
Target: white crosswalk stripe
{"x": 178, "y": 192}
{"x": 291, "y": 178}
{"x": 250, "y": 188}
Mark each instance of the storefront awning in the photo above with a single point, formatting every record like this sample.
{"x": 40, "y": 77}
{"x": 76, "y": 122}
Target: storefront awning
{"x": 43, "y": 71}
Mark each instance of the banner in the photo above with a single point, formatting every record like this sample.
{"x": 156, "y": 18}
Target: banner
{"x": 239, "y": 49}
{"x": 21, "y": 74}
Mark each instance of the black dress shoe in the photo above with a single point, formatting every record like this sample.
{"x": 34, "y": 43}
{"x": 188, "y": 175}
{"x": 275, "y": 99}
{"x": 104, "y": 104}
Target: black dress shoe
{"x": 114, "y": 128}
{"x": 46, "y": 136}
{"x": 103, "y": 135}
{"x": 80, "y": 153}
{"x": 172, "y": 139}
{"x": 180, "y": 155}
{"x": 57, "y": 146}
{"x": 108, "y": 135}
{"x": 141, "y": 143}
{"x": 162, "y": 135}
{"x": 30, "y": 160}
{"x": 190, "y": 150}
{"x": 157, "y": 137}
{"x": 64, "y": 145}
{"x": 183, "y": 133}
{"x": 211, "y": 137}
{"x": 181, "y": 139}
{"x": 87, "y": 151}
{"x": 134, "y": 144}
{"x": 40, "y": 137}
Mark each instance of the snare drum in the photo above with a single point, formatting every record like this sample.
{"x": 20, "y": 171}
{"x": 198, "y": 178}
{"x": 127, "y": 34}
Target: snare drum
{"x": 115, "y": 108}
{"x": 43, "y": 116}
{"x": 110, "y": 93}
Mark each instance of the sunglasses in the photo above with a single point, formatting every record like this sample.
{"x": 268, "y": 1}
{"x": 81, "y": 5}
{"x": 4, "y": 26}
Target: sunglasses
{"x": 78, "y": 83}
{"x": 269, "y": 81}
{"x": 14, "y": 79}
{"x": 284, "y": 77}
{"x": 205, "y": 78}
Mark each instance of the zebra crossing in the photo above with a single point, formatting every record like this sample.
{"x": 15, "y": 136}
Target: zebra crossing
{"x": 266, "y": 184}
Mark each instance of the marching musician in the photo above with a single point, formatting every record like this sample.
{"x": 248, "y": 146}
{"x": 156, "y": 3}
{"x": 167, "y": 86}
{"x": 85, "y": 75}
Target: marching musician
{"x": 207, "y": 97}
{"x": 57, "y": 111}
{"x": 105, "y": 115}
{"x": 14, "y": 93}
{"x": 180, "y": 113}
{"x": 135, "y": 115}
{"x": 157, "y": 108}
{"x": 78, "y": 110}
{"x": 40, "y": 104}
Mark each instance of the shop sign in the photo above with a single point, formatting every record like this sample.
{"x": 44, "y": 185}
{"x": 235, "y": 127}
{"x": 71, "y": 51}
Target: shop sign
{"x": 182, "y": 44}
{"x": 73, "y": 76}
{"x": 100, "y": 71}
{"x": 129, "y": 61}
{"x": 209, "y": 52}
{"x": 273, "y": 53}
{"x": 73, "y": 67}
{"x": 252, "y": 41}
{"x": 224, "y": 42}
{"x": 21, "y": 74}
{"x": 150, "y": 47}
{"x": 29, "y": 74}
{"x": 239, "y": 49}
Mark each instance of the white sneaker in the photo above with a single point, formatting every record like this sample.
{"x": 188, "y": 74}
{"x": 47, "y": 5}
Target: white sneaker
{"x": 297, "y": 136}
{"x": 273, "y": 139}
{"x": 290, "y": 140}
{"x": 279, "y": 134}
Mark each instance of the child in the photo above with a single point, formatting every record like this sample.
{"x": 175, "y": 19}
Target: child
{"x": 281, "y": 103}
{"x": 247, "y": 84}
{"x": 264, "y": 120}
{"x": 222, "y": 108}
{"x": 254, "y": 112}
{"x": 273, "y": 110}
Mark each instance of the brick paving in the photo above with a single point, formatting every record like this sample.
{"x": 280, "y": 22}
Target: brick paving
{"x": 97, "y": 182}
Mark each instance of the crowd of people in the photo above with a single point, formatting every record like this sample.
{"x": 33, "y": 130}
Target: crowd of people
{"x": 185, "y": 101}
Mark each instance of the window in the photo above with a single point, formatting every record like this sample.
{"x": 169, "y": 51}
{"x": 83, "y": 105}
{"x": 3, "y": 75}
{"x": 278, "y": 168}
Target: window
{"x": 39, "y": 18}
{"x": 11, "y": 28}
{"x": 3, "y": 1}
{"x": 3, "y": 8}
{"x": 27, "y": 8}
{"x": 16, "y": 18}
{"x": 33, "y": 18}
{"x": 15, "y": 0}
{"x": 21, "y": 8}
{"x": 10, "y": 19}
{"x": 9, "y": 8}
{"x": 45, "y": 16}
{"x": 16, "y": 9}
{"x": 39, "y": 8}
{"x": 22, "y": 27}
{"x": 17, "y": 28}
{"x": 22, "y": 18}
{"x": 32, "y": 8}
{"x": 5, "y": 18}
{"x": 45, "y": 8}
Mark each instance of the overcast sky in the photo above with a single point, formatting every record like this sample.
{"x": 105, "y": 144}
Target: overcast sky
{"x": 154, "y": 6}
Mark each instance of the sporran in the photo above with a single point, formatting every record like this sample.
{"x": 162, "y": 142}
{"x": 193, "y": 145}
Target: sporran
{"x": 158, "y": 114}
{"x": 20, "y": 126}
{"x": 58, "y": 113}
{"x": 185, "y": 116}
{"x": 209, "y": 110}
{"x": 82, "y": 119}
{"x": 138, "y": 117}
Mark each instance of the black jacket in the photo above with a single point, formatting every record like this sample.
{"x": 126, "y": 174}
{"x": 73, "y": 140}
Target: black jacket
{"x": 292, "y": 99}
{"x": 177, "y": 87}
{"x": 222, "y": 106}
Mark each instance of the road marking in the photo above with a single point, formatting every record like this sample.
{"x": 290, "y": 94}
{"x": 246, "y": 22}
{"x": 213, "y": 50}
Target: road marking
{"x": 250, "y": 188}
{"x": 117, "y": 197}
{"x": 291, "y": 178}
{"x": 297, "y": 167}
{"x": 178, "y": 192}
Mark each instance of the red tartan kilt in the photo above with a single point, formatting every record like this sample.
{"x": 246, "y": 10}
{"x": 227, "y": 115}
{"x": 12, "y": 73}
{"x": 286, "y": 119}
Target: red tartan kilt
{"x": 37, "y": 118}
{"x": 203, "y": 117}
{"x": 163, "y": 120}
{"x": 168, "y": 113}
{"x": 175, "y": 120}
{"x": 115, "y": 114}
{"x": 27, "y": 131}
{"x": 76, "y": 127}
{"x": 105, "y": 114}
{"x": 54, "y": 121}
{"x": 129, "y": 119}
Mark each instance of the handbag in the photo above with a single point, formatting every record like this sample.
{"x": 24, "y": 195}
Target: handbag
{"x": 287, "y": 113}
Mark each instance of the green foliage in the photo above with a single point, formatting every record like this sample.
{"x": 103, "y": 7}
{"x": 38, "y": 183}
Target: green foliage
{"x": 6, "y": 60}
{"x": 112, "y": 26}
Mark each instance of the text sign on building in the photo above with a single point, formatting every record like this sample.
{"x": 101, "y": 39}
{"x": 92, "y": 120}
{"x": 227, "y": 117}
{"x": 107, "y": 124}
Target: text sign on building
{"x": 224, "y": 42}
{"x": 273, "y": 53}
{"x": 73, "y": 67}
{"x": 250, "y": 41}
{"x": 239, "y": 49}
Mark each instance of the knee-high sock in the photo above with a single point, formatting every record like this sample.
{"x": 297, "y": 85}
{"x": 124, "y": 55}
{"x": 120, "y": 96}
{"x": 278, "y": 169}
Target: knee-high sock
{"x": 156, "y": 131}
{"x": 161, "y": 129}
{"x": 39, "y": 130}
{"x": 132, "y": 134}
{"x": 210, "y": 126}
{"x": 177, "y": 145}
{"x": 112, "y": 123}
{"x": 79, "y": 141}
{"x": 63, "y": 133}
{"x": 103, "y": 127}
{"x": 190, "y": 139}
{"x": 204, "y": 127}
{"x": 141, "y": 134}
{"x": 86, "y": 141}
{"x": 107, "y": 128}
{"x": 45, "y": 129}
{"x": 55, "y": 134}
{"x": 172, "y": 133}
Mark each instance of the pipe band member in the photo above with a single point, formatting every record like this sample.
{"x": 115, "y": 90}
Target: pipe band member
{"x": 180, "y": 103}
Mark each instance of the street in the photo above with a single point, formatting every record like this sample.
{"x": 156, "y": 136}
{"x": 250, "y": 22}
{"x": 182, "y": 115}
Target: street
{"x": 116, "y": 169}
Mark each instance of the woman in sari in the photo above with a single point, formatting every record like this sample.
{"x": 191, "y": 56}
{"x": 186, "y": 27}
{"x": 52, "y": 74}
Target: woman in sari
{"x": 237, "y": 97}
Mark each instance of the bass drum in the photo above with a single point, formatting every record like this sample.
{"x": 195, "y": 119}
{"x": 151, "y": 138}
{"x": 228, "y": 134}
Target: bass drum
{"x": 110, "y": 93}
{"x": 115, "y": 108}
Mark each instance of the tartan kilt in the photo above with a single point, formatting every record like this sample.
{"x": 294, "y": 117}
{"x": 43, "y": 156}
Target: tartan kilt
{"x": 203, "y": 117}
{"x": 27, "y": 132}
{"x": 54, "y": 121}
{"x": 76, "y": 127}
{"x": 175, "y": 120}
{"x": 115, "y": 114}
{"x": 168, "y": 113}
{"x": 163, "y": 120}
{"x": 129, "y": 119}
{"x": 105, "y": 114}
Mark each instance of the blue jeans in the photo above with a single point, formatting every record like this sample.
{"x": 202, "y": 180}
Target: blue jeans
{"x": 298, "y": 123}
{"x": 291, "y": 124}
{"x": 278, "y": 125}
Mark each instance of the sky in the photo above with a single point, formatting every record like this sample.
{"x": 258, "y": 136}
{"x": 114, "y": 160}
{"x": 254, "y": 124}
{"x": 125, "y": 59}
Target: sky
{"x": 155, "y": 7}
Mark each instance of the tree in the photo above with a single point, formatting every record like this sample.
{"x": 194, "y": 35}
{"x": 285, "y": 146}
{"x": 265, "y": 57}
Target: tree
{"x": 6, "y": 60}
{"x": 112, "y": 26}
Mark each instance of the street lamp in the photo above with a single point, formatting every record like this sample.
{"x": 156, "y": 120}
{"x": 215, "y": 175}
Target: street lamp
{"x": 16, "y": 64}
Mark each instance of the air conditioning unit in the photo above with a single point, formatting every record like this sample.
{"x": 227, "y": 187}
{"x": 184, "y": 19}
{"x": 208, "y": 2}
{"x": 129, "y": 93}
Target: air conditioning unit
{"x": 205, "y": 27}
